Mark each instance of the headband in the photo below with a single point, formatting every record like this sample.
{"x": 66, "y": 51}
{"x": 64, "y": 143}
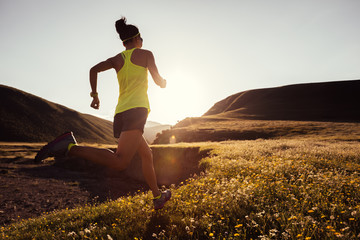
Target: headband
{"x": 131, "y": 37}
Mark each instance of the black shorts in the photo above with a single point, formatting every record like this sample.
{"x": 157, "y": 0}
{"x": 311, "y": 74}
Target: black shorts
{"x": 131, "y": 119}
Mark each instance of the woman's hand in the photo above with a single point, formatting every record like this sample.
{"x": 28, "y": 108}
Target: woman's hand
{"x": 95, "y": 103}
{"x": 163, "y": 83}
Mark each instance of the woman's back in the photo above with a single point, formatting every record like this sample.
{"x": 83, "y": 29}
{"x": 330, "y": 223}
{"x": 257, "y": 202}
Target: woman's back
{"x": 133, "y": 83}
{"x": 138, "y": 57}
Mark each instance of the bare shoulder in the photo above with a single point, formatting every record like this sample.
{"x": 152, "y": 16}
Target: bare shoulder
{"x": 143, "y": 52}
{"x": 142, "y": 57}
{"x": 116, "y": 61}
{"x": 115, "y": 58}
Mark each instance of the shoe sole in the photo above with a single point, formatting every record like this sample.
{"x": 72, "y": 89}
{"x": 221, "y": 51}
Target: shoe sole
{"x": 44, "y": 150}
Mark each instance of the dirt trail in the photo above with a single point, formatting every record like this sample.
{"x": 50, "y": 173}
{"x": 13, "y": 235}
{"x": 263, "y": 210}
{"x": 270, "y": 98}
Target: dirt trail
{"x": 28, "y": 190}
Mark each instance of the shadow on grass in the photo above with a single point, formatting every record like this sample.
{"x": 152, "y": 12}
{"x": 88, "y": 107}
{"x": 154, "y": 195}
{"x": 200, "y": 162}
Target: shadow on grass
{"x": 159, "y": 224}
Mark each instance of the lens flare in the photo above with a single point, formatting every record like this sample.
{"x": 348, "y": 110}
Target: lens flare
{"x": 172, "y": 139}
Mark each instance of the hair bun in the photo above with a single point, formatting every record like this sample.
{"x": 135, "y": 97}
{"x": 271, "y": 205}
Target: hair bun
{"x": 125, "y": 31}
{"x": 120, "y": 25}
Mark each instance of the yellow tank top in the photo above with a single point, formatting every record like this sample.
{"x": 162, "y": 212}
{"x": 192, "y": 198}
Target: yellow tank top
{"x": 133, "y": 85}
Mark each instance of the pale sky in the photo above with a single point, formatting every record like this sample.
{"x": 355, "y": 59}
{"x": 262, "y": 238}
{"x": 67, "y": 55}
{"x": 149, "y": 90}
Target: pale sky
{"x": 207, "y": 50}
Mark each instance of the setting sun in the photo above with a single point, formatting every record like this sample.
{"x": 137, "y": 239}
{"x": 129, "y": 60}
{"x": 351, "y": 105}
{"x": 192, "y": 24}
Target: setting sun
{"x": 183, "y": 97}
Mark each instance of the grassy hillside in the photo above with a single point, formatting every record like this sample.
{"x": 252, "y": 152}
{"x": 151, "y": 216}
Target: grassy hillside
{"x": 217, "y": 128}
{"x": 300, "y": 110}
{"x": 263, "y": 189}
{"x": 28, "y": 118}
{"x": 326, "y": 101}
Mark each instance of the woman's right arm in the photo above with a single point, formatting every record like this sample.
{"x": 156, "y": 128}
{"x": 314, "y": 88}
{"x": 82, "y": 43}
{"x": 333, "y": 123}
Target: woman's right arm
{"x": 154, "y": 71}
{"x": 100, "y": 67}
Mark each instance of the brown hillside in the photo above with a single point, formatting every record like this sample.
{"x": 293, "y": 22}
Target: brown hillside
{"x": 27, "y": 118}
{"x": 328, "y": 101}
{"x": 329, "y": 110}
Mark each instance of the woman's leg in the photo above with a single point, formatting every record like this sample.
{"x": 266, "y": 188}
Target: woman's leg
{"x": 128, "y": 144}
{"x": 148, "y": 167}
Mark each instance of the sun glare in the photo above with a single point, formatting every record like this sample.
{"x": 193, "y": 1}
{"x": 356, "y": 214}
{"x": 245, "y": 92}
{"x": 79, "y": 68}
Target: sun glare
{"x": 181, "y": 98}
{"x": 172, "y": 139}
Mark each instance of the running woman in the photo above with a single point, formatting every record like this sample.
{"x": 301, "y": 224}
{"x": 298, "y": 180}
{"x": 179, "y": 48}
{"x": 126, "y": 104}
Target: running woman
{"x": 131, "y": 112}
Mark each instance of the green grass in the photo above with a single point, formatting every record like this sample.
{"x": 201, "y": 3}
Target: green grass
{"x": 263, "y": 189}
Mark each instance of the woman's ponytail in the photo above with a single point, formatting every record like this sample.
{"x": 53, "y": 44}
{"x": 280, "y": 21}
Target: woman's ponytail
{"x": 125, "y": 31}
{"x": 120, "y": 25}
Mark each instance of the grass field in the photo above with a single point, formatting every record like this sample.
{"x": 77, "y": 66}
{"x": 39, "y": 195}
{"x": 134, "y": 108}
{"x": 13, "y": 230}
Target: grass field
{"x": 261, "y": 189}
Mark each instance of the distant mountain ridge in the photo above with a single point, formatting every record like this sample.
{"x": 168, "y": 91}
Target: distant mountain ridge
{"x": 152, "y": 129}
{"x": 325, "y": 101}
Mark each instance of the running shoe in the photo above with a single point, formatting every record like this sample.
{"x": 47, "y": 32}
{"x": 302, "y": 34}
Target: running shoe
{"x": 160, "y": 202}
{"x": 57, "y": 147}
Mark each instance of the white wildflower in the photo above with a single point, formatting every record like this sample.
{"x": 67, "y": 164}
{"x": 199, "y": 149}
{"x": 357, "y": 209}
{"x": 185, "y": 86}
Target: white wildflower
{"x": 262, "y": 237}
{"x": 285, "y": 235}
{"x": 162, "y": 233}
{"x": 273, "y": 232}
{"x": 72, "y": 234}
{"x": 260, "y": 214}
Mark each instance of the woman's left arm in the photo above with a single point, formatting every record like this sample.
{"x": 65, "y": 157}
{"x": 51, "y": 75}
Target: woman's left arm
{"x": 154, "y": 71}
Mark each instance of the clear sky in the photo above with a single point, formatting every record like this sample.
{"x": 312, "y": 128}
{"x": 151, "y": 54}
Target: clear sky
{"x": 206, "y": 49}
